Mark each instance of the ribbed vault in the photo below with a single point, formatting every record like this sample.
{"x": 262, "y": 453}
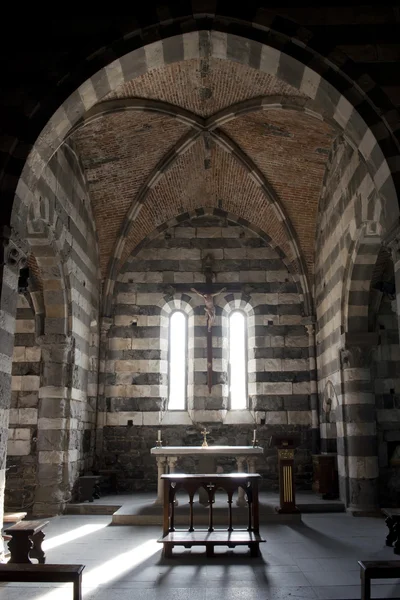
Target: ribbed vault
{"x": 157, "y": 147}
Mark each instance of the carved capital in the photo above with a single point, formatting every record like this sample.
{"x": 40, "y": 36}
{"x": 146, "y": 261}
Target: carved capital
{"x": 310, "y": 329}
{"x": 13, "y": 253}
{"x": 105, "y": 325}
{"x": 352, "y": 357}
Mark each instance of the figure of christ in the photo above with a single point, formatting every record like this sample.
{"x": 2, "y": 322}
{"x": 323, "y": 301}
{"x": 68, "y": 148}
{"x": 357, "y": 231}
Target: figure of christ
{"x": 209, "y": 306}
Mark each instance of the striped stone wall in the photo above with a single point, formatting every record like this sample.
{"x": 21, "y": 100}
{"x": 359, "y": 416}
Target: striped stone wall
{"x": 156, "y": 281}
{"x": 22, "y": 434}
{"x": 348, "y": 240}
{"x": 386, "y": 376}
{"x": 62, "y": 237}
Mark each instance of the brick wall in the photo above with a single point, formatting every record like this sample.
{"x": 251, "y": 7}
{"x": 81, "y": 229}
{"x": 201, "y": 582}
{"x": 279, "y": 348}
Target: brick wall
{"x": 158, "y": 279}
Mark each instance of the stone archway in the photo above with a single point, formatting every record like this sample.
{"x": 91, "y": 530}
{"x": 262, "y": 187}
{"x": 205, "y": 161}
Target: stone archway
{"x": 223, "y": 45}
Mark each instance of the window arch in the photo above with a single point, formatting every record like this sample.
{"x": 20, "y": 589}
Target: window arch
{"x": 177, "y": 361}
{"x": 237, "y": 360}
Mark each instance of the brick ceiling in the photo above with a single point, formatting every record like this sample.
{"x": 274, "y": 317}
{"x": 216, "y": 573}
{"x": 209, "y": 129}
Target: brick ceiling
{"x": 120, "y": 150}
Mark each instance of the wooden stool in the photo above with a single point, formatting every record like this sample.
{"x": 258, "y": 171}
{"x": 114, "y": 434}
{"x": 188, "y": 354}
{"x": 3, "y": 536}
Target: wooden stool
{"x": 26, "y": 541}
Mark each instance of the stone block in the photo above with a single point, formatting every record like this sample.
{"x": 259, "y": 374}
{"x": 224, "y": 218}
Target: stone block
{"x": 27, "y": 416}
{"x": 277, "y": 341}
{"x": 299, "y": 417}
{"x": 33, "y": 354}
{"x": 303, "y": 387}
{"x": 272, "y": 364}
{"x": 25, "y": 326}
{"x": 22, "y": 433}
{"x": 19, "y": 354}
{"x": 278, "y": 388}
{"x": 290, "y": 319}
{"x": 30, "y": 383}
{"x": 18, "y": 447}
{"x": 16, "y": 383}
{"x": 289, "y": 364}
{"x": 276, "y": 417}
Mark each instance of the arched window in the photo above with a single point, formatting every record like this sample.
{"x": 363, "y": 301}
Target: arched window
{"x": 237, "y": 361}
{"x": 177, "y": 361}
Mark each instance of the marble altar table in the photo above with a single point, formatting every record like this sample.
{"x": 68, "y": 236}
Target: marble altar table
{"x": 168, "y": 456}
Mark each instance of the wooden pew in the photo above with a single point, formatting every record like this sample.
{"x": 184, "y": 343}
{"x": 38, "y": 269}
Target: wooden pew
{"x": 376, "y": 569}
{"x": 44, "y": 573}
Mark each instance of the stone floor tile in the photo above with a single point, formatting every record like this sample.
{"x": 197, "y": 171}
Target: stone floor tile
{"x": 334, "y": 578}
{"x": 338, "y": 592}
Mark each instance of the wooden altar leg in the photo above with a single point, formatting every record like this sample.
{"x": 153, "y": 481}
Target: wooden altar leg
{"x": 206, "y": 465}
{"x": 241, "y": 497}
{"x": 172, "y": 460}
{"x": 161, "y": 469}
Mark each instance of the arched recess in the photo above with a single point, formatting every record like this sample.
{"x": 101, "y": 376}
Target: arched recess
{"x": 270, "y": 59}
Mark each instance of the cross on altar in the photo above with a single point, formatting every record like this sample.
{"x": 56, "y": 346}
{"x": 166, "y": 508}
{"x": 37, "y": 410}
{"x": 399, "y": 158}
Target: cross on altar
{"x": 204, "y": 434}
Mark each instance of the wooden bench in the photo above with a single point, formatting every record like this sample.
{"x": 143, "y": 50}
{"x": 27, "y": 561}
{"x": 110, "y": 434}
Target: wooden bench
{"x": 211, "y": 537}
{"x": 376, "y": 569}
{"x": 393, "y": 523}
{"x": 26, "y": 541}
{"x": 46, "y": 573}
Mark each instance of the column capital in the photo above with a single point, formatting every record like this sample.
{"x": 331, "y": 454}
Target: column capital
{"x": 14, "y": 254}
{"x": 105, "y": 325}
{"x": 310, "y": 328}
{"x": 352, "y": 357}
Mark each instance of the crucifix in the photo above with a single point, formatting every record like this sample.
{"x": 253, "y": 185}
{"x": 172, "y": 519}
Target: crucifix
{"x": 209, "y": 309}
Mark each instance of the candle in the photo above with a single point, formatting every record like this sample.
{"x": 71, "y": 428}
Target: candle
{"x": 159, "y": 435}
{"x": 254, "y": 435}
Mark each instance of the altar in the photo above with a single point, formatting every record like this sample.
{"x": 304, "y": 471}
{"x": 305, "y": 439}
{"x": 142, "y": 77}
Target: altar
{"x": 168, "y": 456}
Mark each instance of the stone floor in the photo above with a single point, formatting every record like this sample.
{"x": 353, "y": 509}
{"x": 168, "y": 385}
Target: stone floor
{"x": 316, "y": 558}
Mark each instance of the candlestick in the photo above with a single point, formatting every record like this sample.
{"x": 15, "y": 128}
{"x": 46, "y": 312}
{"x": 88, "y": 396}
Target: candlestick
{"x": 159, "y": 435}
{"x": 254, "y": 435}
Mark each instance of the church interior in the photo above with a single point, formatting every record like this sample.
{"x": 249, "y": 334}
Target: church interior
{"x": 200, "y": 274}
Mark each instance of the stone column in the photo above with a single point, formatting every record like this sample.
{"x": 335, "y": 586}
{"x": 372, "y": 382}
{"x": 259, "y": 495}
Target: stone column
{"x": 12, "y": 259}
{"x": 251, "y": 464}
{"x": 241, "y": 497}
{"x": 393, "y": 243}
{"x": 161, "y": 469}
{"x": 57, "y": 427}
{"x": 314, "y": 405}
{"x": 101, "y": 409}
{"x": 357, "y": 441}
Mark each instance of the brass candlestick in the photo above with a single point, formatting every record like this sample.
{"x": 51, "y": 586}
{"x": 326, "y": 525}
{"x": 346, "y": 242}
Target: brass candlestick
{"x": 204, "y": 432}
